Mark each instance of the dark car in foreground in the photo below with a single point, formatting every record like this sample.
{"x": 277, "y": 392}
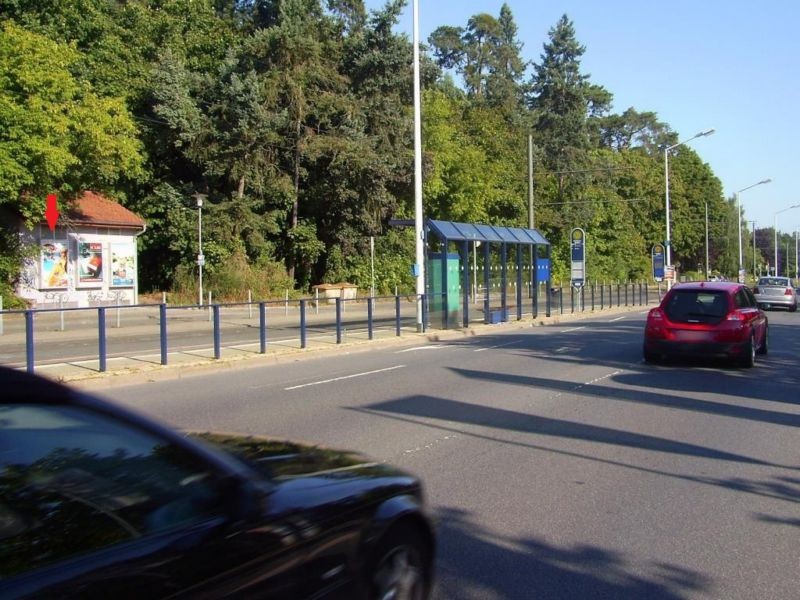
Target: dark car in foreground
{"x": 707, "y": 319}
{"x": 776, "y": 292}
{"x": 99, "y": 502}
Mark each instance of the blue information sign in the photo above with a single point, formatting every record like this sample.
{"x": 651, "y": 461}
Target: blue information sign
{"x": 658, "y": 262}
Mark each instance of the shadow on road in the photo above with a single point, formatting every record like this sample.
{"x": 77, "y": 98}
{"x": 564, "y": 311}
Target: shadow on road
{"x": 475, "y": 563}
{"x": 498, "y": 418}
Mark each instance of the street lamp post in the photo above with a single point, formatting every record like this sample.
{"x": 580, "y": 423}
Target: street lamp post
{"x": 739, "y": 211}
{"x": 707, "y": 273}
{"x": 777, "y": 272}
{"x": 419, "y": 271}
{"x": 755, "y": 276}
{"x": 666, "y": 183}
{"x": 201, "y": 259}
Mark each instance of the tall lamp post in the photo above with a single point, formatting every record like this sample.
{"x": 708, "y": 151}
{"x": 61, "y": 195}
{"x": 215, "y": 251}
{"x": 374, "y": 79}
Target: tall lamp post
{"x": 739, "y": 211}
{"x": 419, "y": 271}
{"x": 755, "y": 276}
{"x": 796, "y": 256}
{"x": 776, "y": 235}
{"x": 666, "y": 180}
{"x": 201, "y": 259}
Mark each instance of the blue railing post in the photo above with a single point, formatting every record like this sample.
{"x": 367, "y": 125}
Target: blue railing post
{"x": 592, "y": 297}
{"x": 571, "y": 299}
{"x": 217, "y": 340}
{"x": 397, "y": 315}
{"x": 29, "y": 340}
{"x": 619, "y": 303}
{"x": 162, "y": 326}
{"x": 424, "y": 299}
{"x": 369, "y": 317}
{"x": 262, "y": 327}
{"x": 626, "y": 293}
{"x": 646, "y": 294}
{"x": 338, "y": 320}
{"x": 101, "y": 337}
{"x": 303, "y": 322}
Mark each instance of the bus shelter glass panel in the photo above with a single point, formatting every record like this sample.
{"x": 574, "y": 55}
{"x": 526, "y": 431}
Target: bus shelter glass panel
{"x": 444, "y": 306}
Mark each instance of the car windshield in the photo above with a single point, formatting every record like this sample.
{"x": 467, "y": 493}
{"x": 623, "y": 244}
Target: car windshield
{"x": 696, "y": 306}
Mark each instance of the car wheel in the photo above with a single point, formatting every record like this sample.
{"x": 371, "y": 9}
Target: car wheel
{"x": 748, "y": 359}
{"x": 763, "y": 349}
{"x": 793, "y": 308}
{"x": 400, "y": 571}
{"x": 651, "y": 357}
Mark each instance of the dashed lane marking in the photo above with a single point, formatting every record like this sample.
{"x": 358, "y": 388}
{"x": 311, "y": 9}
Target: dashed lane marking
{"x": 497, "y": 346}
{"x": 297, "y": 387}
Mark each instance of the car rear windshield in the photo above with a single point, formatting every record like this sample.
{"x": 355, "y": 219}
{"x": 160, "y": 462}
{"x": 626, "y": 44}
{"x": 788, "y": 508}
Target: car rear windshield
{"x": 696, "y": 306}
{"x": 776, "y": 281}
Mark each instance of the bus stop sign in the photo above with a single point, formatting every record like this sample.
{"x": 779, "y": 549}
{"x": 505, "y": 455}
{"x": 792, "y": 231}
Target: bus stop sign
{"x": 578, "y": 252}
{"x": 658, "y": 262}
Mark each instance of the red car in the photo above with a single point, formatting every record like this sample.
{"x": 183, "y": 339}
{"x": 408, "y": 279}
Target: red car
{"x": 707, "y": 319}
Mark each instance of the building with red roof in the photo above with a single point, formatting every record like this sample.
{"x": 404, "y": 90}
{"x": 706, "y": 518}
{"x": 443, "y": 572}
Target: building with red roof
{"x": 89, "y": 259}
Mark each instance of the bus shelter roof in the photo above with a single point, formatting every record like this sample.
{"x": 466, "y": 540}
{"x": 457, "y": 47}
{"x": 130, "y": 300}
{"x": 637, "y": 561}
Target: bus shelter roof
{"x": 453, "y": 231}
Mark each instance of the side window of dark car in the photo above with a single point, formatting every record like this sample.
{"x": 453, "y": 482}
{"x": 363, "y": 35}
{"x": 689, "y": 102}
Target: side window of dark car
{"x": 741, "y": 299}
{"x": 750, "y": 297}
{"x": 73, "y": 481}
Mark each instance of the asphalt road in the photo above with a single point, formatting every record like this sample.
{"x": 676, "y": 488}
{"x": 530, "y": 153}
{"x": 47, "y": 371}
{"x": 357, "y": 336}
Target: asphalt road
{"x": 558, "y": 464}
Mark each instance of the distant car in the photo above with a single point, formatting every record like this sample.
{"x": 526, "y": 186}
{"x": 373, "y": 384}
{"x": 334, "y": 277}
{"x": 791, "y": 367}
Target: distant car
{"x": 98, "y": 502}
{"x": 707, "y": 319}
{"x": 776, "y": 292}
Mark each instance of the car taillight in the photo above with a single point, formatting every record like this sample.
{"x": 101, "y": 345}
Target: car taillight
{"x": 734, "y": 316}
{"x": 755, "y": 290}
{"x": 788, "y": 292}
{"x": 656, "y": 314}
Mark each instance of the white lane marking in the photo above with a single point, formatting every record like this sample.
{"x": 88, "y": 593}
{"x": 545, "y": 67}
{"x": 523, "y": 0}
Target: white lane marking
{"x": 562, "y": 349}
{"x": 434, "y": 347}
{"x": 574, "y": 329}
{"x": 617, "y": 319}
{"x": 297, "y": 387}
{"x": 493, "y": 347}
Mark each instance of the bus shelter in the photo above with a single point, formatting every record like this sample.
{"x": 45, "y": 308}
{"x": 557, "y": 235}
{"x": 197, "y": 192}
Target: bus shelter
{"x": 476, "y": 270}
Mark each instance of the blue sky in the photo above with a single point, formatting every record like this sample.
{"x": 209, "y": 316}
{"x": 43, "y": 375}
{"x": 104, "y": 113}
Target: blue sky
{"x": 731, "y": 65}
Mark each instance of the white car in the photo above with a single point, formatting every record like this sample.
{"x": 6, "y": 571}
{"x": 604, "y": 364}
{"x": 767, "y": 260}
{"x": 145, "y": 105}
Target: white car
{"x": 776, "y": 292}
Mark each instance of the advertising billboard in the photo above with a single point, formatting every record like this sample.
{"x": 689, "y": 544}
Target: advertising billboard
{"x": 123, "y": 265}
{"x": 54, "y": 264}
{"x": 90, "y": 263}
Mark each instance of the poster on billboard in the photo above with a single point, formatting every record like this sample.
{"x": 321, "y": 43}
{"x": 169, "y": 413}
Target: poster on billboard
{"x": 123, "y": 265}
{"x": 54, "y": 262}
{"x": 90, "y": 263}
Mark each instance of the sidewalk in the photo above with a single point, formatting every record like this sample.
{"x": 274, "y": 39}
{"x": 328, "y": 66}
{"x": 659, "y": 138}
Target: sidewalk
{"x": 147, "y": 367}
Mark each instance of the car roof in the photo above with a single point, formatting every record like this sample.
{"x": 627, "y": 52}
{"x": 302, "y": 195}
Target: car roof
{"x": 713, "y": 286}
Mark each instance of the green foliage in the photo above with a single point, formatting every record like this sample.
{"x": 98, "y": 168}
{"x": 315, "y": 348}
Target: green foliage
{"x": 294, "y": 118}
{"x": 57, "y": 135}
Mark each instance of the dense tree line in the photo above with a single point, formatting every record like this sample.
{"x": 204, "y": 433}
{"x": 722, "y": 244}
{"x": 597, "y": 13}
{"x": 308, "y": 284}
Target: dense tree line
{"x": 294, "y": 119}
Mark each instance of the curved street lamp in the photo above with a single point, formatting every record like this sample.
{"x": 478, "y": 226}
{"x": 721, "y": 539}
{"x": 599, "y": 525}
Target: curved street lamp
{"x": 666, "y": 180}
{"x": 739, "y": 211}
{"x": 776, "y": 235}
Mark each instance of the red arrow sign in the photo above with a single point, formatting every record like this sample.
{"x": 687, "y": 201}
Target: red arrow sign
{"x": 51, "y": 214}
